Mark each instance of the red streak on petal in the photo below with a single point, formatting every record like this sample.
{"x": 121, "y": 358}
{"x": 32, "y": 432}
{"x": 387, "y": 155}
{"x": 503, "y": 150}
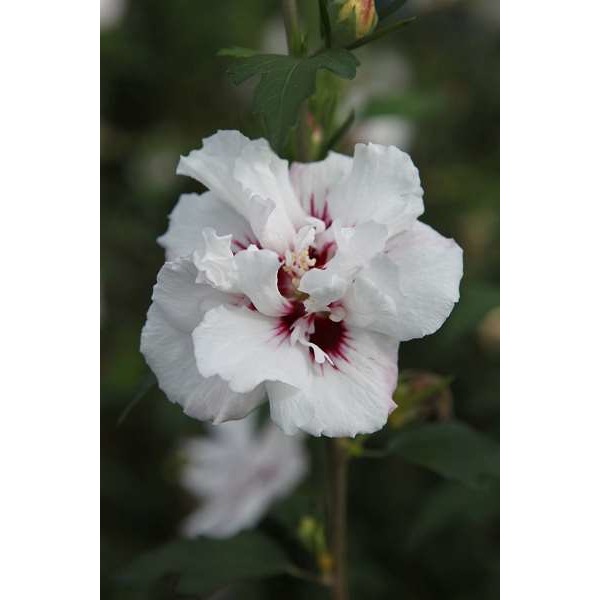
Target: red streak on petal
{"x": 324, "y": 216}
{"x": 313, "y": 208}
{"x": 243, "y": 245}
{"x": 323, "y": 255}
{"x": 285, "y": 322}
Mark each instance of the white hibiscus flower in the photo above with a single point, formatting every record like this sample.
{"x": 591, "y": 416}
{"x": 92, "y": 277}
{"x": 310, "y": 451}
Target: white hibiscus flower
{"x": 237, "y": 472}
{"x": 296, "y": 284}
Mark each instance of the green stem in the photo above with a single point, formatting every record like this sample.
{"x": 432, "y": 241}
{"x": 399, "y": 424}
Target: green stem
{"x": 325, "y": 22}
{"x": 336, "y": 137}
{"x": 338, "y": 483}
{"x": 291, "y": 20}
{"x": 289, "y": 8}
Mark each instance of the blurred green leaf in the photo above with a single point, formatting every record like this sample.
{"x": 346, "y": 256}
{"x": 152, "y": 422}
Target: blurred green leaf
{"x": 203, "y": 565}
{"x": 475, "y": 301}
{"x": 452, "y": 450}
{"x": 451, "y": 505}
{"x": 285, "y": 83}
{"x": 323, "y": 104}
{"x": 237, "y": 52}
{"x": 410, "y": 105}
{"x": 291, "y": 510}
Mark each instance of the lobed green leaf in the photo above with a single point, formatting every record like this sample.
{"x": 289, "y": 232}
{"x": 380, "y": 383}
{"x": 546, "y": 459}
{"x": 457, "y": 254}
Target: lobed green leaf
{"x": 285, "y": 82}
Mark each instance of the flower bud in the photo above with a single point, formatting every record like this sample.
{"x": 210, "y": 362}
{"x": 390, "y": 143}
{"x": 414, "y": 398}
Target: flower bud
{"x": 488, "y": 331}
{"x": 351, "y": 20}
{"x": 311, "y": 534}
{"x": 307, "y": 529}
{"x": 421, "y": 396}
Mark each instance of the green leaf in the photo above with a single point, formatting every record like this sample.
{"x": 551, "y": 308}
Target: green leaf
{"x": 285, "y": 83}
{"x": 237, "y": 52}
{"x": 202, "y": 565}
{"x": 476, "y": 299}
{"x": 452, "y": 450}
{"x": 451, "y": 506}
{"x": 337, "y": 136}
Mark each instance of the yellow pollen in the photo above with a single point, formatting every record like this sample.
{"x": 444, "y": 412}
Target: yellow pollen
{"x": 298, "y": 263}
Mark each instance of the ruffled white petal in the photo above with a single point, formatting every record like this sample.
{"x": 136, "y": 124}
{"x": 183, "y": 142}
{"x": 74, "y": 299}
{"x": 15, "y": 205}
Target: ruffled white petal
{"x": 214, "y": 261}
{"x": 251, "y": 273}
{"x": 170, "y": 354}
{"x": 181, "y": 299}
{"x": 252, "y": 180}
{"x": 383, "y": 186}
{"x": 356, "y": 246}
{"x": 194, "y": 212}
{"x": 354, "y": 397}
{"x": 323, "y": 287}
{"x": 370, "y": 299}
{"x": 259, "y": 169}
{"x": 257, "y": 279}
{"x": 243, "y": 347}
{"x": 178, "y": 306}
{"x": 410, "y": 291}
{"x": 312, "y": 183}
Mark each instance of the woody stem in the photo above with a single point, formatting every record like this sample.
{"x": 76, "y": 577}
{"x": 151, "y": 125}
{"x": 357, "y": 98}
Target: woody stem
{"x": 338, "y": 483}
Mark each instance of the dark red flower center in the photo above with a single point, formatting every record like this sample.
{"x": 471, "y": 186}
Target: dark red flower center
{"x": 330, "y": 336}
{"x": 287, "y": 321}
{"x": 323, "y": 255}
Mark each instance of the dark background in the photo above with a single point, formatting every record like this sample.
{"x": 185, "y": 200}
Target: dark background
{"x": 413, "y": 535}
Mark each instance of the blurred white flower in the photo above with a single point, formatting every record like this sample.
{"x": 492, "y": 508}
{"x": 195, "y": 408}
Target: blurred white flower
{"x": 383, "y": 73}
{"x": 237, "y": 472}
{"x": 274, "y": 40}
{"x": 388, "y": 130}
{"x": 111, "y": 12}
{"x": 297, "y": 284}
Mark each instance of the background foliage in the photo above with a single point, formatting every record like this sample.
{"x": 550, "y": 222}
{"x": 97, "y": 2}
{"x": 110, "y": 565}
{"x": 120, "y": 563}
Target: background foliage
{"x": 413, "y": 534}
